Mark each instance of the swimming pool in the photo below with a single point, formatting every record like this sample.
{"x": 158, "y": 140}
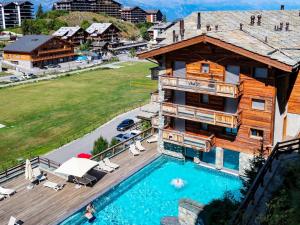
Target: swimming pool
{"x": 147, "y": 196}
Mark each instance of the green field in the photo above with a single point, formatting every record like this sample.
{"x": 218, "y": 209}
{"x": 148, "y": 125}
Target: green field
{"x": 43, "y": 116}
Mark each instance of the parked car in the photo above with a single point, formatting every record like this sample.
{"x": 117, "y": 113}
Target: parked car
{"x": 121, "y": 137}
{"x": 125, "y": 125}
{"x": 14, "y": 79}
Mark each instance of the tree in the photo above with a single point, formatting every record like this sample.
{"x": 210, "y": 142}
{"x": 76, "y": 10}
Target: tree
{"x": 85, "y": 24}
{"x": 250, "y": 174}
{"x": 144, "y": 33}
{"x": 40, "y": 12}
{"x": 85, "y": 46}
{"x": 132, "y": 53}
{"x": 114, "y": 142}
{"x": 100, "y": 145}
{"x": 164, "y": 19}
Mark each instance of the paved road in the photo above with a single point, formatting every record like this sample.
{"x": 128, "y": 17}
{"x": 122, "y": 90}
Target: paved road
{"x": 85, "y": 144}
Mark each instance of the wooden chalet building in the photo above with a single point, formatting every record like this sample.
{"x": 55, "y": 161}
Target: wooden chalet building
{"x": 154, "y": 16}
{"x": 108, "y": 7}
{"x": 230, "y": 85}
{"x": 106, "y": 32}
{"x": 133, "y": 14}
{"x": 38, "y": 50}
{"x": 74, "y": 35}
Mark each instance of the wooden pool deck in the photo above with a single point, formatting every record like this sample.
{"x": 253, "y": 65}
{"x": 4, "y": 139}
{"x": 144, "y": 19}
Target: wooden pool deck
{"x": 42, "y": 205}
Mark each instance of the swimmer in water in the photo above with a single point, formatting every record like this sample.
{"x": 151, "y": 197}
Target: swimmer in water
{"x": 89, "y": 212}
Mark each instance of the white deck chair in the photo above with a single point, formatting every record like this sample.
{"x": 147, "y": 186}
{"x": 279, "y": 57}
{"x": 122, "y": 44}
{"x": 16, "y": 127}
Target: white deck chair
{"x": 38, "y": 175}
{"x": 12, "y": 221}
{"x": 133, "y": 150}
{"x": 110, "y": 164}
{"x": 153, "y": 139}
{"x": 139, "y": 146}
{"x": 54, "y": 186}
{"x": 102, "y": 166}
{"x": 6, "y": 191}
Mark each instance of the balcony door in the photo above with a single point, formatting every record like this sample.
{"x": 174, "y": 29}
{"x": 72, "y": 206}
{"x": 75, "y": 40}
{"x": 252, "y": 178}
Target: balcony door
{"x": 179, "y": 69}
{"x": 232, "y": 74}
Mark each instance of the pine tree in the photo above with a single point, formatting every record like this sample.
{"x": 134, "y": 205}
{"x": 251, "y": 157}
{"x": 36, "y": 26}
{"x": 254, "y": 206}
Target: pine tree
{"x": 40, "y": 12}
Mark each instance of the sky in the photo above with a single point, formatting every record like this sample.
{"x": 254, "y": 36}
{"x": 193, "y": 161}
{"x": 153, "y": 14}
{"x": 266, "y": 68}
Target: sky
{"x": 175, "y": 9}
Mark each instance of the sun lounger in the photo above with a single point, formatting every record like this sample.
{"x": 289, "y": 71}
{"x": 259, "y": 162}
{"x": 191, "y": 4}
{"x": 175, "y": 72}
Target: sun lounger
{"x": 12, "y": 221}
{"x": 2, "y": 197}
{"x": 133, "y": 150}
{"x": 82, "y": 181}
{"x": 139, "y": 146}
{"x": 54, "y": 186}
{"x": 110, "y": 164}
{"x": 153, "y": 139}
{"x": 38, "y": 175}
{"x": 102, "y": 166}
{"x": 6, "y": 191}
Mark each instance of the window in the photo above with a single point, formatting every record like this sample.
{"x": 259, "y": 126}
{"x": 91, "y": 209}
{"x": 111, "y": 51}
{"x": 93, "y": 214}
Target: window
{"x": 205, "y": 68}
{"x": 204, "y": 99}
{"x": 231, "y": 131}
{"x": 260, "y": 72}
{"x": 258, "y": 104}
{"x": 254, "y": 133}
{"x": 204, "y": 126}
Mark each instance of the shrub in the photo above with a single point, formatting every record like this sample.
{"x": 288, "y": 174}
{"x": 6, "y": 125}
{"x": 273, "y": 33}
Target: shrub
{"x": 114, "y": 142}
{"x": 85, "y": 24}
{"x": 99, "y": 146}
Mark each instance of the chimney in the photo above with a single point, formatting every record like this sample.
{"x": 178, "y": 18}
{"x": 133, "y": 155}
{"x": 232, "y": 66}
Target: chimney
{"x": 241, "y": 26}
{"x": 259, "y": 20}
{"x": 208, "y": 27}
{"x": 266, "y": 39}
{"x": 174, "y": 36}
{"x": 199, "y": 21}
{"x": 216, "y": 27}
{"x": 282, "y": 7}
{"x": 287, "y": 26}
{"x": 252, "y": 20}
{"x": 281, "y": 26}
{"x": 181, "y": 25}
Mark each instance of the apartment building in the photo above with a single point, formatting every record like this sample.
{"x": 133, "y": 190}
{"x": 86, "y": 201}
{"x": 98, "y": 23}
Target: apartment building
{"x": 38, "y": 50}
{"x": 154, "y": 16}
{"x": 133, "y": 14}
{"x": 108, "y": 7}
{"x": 229, "y": 85}
{"x": 106, "y": 32}
{"x": 13, "y": 13}
{"x": 74, "y": 35}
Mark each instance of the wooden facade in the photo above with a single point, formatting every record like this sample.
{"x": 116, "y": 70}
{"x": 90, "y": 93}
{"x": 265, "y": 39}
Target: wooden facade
{"x": 133, "y": 15}
{"x": 248, "y": 129}
{"x": 110, "y": 35}
{"x": 53, "y": 51}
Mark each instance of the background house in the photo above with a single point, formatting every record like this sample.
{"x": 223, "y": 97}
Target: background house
{"x": 133, "y": 14}
{"x": 154, "y": 16}
{"x": 13, "y": 13}
{"x": 38, "y": 50}
{"x": 73, "y": 35}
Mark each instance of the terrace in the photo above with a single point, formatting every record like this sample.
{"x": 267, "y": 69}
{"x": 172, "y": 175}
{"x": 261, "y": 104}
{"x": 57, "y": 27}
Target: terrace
{"x": 33, "y": 206}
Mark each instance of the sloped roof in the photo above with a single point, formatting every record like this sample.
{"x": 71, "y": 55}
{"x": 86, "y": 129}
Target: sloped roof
{"x": 5, "y": 3}
{"x": 66, "y": 31}
{"x": 279, "y": 45}
{"x": 152, "y": 11}
{"x": 98, "y": 28}
{"x": 28, "y": 43}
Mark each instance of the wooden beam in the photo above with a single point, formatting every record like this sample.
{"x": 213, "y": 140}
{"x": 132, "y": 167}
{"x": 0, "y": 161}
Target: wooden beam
{"x": 233, "y": 48}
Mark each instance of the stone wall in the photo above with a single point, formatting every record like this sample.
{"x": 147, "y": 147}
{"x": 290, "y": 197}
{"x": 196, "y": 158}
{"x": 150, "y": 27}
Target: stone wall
{"x": 189, "y": 212}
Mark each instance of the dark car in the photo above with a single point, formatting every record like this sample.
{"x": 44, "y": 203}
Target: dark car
{"x": 14, "y": 79}
{"x": 126, "y": 124}
{"x": 121, "y": 137}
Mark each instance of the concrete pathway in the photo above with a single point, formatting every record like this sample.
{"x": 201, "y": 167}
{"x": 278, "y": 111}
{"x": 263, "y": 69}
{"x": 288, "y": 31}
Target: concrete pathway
{"x": 85, "y": 144}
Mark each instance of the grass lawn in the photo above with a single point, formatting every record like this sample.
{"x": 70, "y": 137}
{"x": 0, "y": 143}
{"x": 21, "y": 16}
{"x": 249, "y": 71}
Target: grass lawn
{"x": 43, "y": 116}
{"x": 2, "y": 74}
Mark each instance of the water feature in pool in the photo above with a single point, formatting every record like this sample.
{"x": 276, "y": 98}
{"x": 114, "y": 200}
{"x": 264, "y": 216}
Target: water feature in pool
{"x": 148, "y": 195}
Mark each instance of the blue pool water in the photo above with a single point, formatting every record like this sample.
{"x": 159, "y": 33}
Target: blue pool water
{"x": 81, "y": 58}
{"x": 147, "y": 196}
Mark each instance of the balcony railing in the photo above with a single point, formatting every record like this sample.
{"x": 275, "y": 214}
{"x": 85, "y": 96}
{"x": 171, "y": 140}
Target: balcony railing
{"x": 202, "y": 115}
{"x": 212, "y": 87}
{"x": 54, "y": 51}
{"x": 195, "y": 141}
{"x": 57, "y": 56}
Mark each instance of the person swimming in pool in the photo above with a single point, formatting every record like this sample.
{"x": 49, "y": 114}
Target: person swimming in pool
{"x": 89, "y": 212}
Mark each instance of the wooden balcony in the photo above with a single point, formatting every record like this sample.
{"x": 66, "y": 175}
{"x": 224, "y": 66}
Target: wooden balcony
{"x": 202, "y": 115}
{"x": 49, "y": 57}
{"x": 210, "y": 87}
{"x": 190, "y": 140}
{"x": 51, "y": 51}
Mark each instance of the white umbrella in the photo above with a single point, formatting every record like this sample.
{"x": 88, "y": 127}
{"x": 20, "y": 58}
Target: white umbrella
{"x": 28, "y": 170}
{"x": 77, "y": 167}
